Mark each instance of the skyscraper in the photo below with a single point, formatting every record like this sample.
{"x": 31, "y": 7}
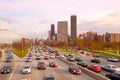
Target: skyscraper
{"x": 73, "y": 27}
{"x": 52, "y": 31}
{"x": 62, "y": 32}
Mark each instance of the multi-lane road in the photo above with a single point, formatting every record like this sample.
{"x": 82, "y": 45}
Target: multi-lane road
{"x": 60, "y": 73}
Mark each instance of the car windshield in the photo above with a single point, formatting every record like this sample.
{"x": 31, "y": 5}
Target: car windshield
{"x": 26, "y": 67}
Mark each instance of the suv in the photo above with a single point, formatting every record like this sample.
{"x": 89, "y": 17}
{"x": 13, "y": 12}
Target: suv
{"x": 41, "y": 65}
{"x": 48, "y": 77}
{"x": 6, "y": 69}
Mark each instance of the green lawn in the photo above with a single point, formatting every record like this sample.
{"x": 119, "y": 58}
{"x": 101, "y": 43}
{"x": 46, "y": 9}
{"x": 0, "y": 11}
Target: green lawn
{"x": 19, "y": 52}
{"x": 67, "y": 50}
{"x": 107, "y": 54}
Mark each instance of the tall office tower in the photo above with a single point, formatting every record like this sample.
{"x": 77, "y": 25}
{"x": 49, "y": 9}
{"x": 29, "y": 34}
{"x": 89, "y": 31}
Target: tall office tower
{"x": 62, "y": 31}
{"x": 49, "y": 35}
{"x": 73, "y": 27}
{"x": 52, "y": 31}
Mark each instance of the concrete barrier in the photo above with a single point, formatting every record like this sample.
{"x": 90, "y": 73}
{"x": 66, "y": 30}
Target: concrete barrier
{"x": 86, "y": 71}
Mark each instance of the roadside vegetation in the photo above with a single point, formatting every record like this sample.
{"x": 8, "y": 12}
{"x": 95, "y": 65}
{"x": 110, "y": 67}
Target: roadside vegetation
{"x": 20, "y": 48}
{"x": 67, "y": 50}
{"x": 0, "y": 54}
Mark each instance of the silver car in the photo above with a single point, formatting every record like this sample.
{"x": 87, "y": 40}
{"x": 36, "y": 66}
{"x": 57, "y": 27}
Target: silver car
{"x": 112, "y": 59}
{"x": 110, "y": 68}
{"x": 26, "y": 69}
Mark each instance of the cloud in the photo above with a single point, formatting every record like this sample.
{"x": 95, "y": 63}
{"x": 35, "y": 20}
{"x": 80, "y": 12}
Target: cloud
{"x": 111, "y": 23}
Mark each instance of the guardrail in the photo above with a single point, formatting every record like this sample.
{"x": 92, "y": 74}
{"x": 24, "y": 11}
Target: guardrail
{"x": 86, "y": 71}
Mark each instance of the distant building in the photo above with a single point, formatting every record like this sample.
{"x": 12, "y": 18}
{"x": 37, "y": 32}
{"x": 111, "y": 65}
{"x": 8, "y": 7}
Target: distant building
{"x": 62, "y": 32}
{"x": 52, "y": 31}
{"x": 73, "y": 27}
{"x": 115, "y": 37}
{"x": 49, "y": 35}
{"x": 91, "y": 36}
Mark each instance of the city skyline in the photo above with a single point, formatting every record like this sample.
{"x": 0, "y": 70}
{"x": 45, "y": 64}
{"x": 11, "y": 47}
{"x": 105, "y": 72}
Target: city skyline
{"x": 32, "y": 18}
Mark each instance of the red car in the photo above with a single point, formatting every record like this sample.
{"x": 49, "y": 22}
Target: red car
{"x": 41, "y": 65}
{"x": 94, "y": 68}
{"x": 53, "y": 64}
{"x": 74, "y": 70}
{"x": 46, "y": 57}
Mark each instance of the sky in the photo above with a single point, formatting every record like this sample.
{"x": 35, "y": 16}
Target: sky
{"x": 32, "y": 18}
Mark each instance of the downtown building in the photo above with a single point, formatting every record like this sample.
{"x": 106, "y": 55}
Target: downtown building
{"x": 73, "y": 27}
{"x": 62, "y": 31}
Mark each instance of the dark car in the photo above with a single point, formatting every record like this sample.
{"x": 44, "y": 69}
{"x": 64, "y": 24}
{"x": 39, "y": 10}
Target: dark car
{"x": 95, "y": 60}
{"x": 41, "y": 65}
{"x": 53, "y": 64}
{"x": 74, "y": 69}
{"x": 38, "y": 57}
{"x": 78, "y": 59}
{"x": 113, "y": 76}
{"x": 94, "y": 68}
{"x": 48, "y": 77}
{"x": 8, "y": 60}
{"x": 82, "y": 63}
{"x": 6, "y": 69}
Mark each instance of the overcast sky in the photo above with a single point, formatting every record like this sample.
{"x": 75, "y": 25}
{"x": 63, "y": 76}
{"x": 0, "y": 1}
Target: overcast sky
{"x": 32, "y": 18}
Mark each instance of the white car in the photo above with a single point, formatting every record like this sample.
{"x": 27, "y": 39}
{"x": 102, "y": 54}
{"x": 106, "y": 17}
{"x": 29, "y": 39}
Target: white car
{"x": 62, "y": 56}
{"x": 52, "y": 56}
{"x": 26, "y": 69}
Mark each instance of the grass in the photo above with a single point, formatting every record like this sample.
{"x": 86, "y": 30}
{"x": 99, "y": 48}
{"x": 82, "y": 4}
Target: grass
{"x": 19, "y": 52}
{"x": 67, "y": 50}
{"x": 107, "y": 54}
{"x": 0, "y": 54}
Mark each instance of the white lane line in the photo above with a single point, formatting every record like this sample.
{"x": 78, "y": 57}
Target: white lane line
{"x": 12, "y": 72}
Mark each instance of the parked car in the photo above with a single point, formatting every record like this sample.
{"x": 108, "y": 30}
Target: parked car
{"x": 94, "y": 68}
{"x": 82, "y": 63}
{"x": 48, "y": 77}
{"x": 6, "y": 69}
{"x": 46, "y": 57}
{"x": 78, "y": 59}
{"x": 41, "y": 65}
{"x": 95, "y": 60}
{"x": 112, "y": 59}
{"x": 53, "y": 64}
{"x": 26, "y": 69}
{"x": 113, "y": 76}
{"x": 110, "y": 68}
{"x": 74, "y": 69}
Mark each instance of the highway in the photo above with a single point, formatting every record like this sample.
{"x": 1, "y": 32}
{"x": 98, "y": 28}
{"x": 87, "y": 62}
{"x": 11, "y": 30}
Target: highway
{"x": 60, "y": 73}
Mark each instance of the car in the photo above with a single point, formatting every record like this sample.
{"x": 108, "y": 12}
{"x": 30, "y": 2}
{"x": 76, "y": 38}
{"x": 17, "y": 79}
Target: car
{"x": 46, "y": 57}
{"x": 41, "y": 65}
{"x": 8, "y": 59}
{"x": 78, "y": 59}
{"x": 26, "y": 79}
{"x": 66, "y": 54}
{"x": 28, "y": 59}
{"x": 61, "y": 55}
{"x": 53, "y": 64}
{"x": 74, "y": 70}
{"x": 38, "y": 57}
{"x": 6, "y": 69}
{"x": 110, "y": 68}
{"x": 48, "y": 77}
{"x": 95, "y": 60}
{"x": 94, "y": 68}
{"x": 82, "y": 63}
{"x": 70, "y": 59}
{"x": 52, "y": 56}
{"x": 113, "y": 76}
{"x": 96, "y": 55}
{"x": 112, "y": 59}
{"x": 26, "y": 69}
